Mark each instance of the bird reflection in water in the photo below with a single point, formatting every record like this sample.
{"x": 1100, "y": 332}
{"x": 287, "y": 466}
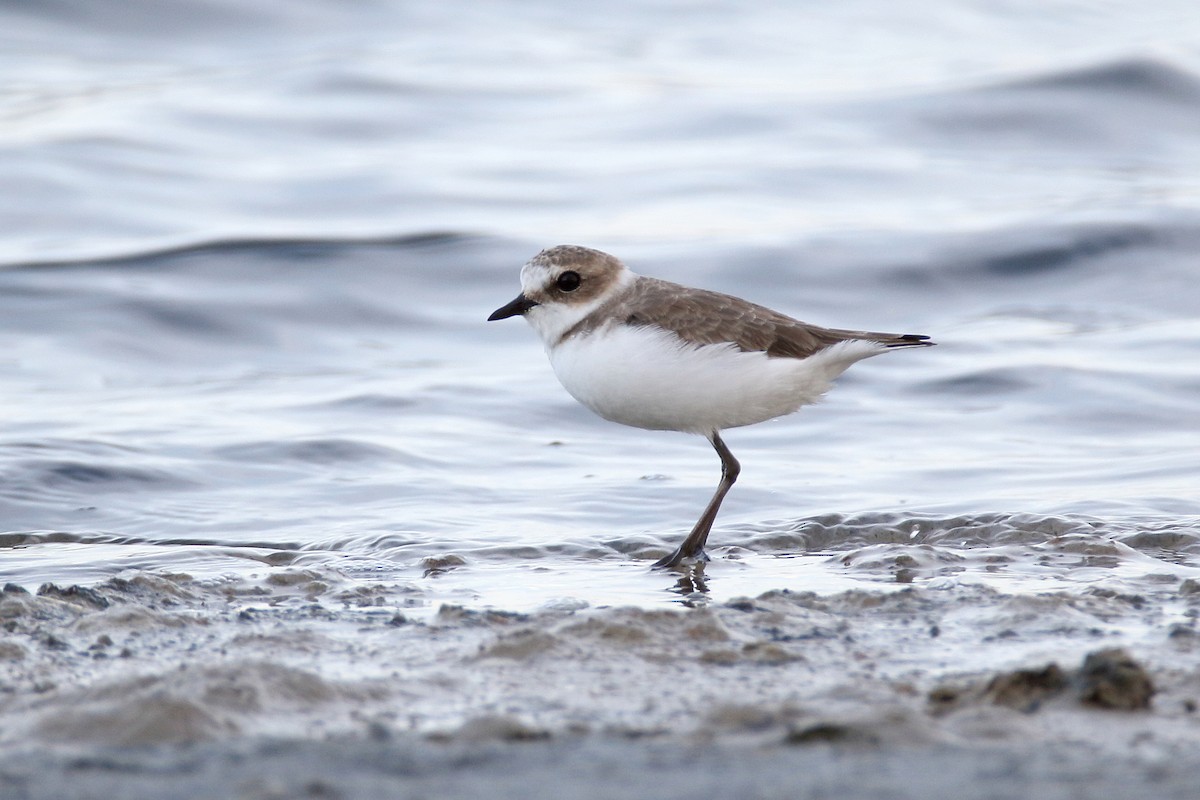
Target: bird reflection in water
{"x": 691, "y": 585}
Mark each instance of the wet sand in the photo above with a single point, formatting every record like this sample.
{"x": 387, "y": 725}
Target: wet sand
{"x": 162, "y": 685}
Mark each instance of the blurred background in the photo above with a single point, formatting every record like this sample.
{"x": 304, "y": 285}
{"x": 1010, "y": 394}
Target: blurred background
{"x": 141, "y": 125}
{"x": 247, "y": 251}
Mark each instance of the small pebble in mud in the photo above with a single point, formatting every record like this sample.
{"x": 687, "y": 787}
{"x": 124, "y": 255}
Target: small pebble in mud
{"x": 944, "y": 698}
{"x": 74, "y": 594}
{"x": 1112, "y": 679}
{"x": 723, "y": 657}
{"x": 768, "y": 653}
{"x": 830, "y": 733}
{"x": 435, "y": 565}
{"x": 1182, "y": 631}
{"x": 54, "y": 643}
{"x": 1026, "y": 689}
{"x": 1108, "y": 679}
{"x": 741, "y": 604}
{"x": 1135, "y": 600}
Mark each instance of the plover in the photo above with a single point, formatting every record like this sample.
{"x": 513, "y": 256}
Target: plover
{"x": 653, "y": 354}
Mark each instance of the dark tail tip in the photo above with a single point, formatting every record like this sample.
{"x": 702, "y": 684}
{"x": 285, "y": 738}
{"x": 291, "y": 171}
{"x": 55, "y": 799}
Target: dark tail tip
{"x": 911, "y": 340}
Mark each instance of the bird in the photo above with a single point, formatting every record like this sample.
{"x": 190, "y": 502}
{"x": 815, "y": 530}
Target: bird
{"x": 658, "y": 355}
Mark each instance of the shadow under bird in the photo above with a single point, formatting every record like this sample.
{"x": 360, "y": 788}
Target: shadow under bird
{"x": 656, "y": 355}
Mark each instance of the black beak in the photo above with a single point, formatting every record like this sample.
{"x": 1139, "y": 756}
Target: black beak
{"x": 519, "y": 305}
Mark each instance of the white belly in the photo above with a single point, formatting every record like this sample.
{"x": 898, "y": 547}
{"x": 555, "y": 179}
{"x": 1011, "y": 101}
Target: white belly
{"x": 649, "y": 378}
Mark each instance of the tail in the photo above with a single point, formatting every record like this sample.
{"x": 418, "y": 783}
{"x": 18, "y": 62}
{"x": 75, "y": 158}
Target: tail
{"x": 905, "y": 340}
{"x": 884, "y": 339}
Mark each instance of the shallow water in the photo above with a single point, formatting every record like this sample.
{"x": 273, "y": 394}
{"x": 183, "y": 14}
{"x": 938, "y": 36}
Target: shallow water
{"x": 248, "y": 256}
{"x": 229, "y": 409}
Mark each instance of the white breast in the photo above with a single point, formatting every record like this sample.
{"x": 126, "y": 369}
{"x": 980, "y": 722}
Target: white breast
{"x": 649, "y": 378}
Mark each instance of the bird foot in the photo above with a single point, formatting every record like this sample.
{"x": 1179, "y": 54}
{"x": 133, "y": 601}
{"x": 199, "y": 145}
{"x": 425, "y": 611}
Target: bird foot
{"x": 681, "y": 559}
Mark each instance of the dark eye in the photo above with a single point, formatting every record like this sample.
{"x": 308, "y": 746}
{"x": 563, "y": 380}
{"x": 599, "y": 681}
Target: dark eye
{"x": 569, "y": 281}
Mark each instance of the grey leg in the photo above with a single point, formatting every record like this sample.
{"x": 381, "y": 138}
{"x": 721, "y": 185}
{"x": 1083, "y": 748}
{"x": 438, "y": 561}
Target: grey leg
{"x": 692, "y": 548}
